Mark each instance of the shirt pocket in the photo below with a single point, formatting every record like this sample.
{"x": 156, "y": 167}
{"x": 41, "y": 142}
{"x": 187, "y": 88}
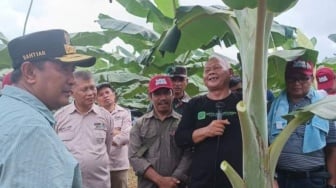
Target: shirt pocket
{"x": 66, "y": 134}
{"x": 99, "y": 132}
{"x": 99, "y": 136}
{"x": 67, "y": 138}
{"x": 149, "y": 138}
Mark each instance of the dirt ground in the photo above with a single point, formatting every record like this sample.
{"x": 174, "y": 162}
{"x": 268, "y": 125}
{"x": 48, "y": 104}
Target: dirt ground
{"x": 132, "y": 179}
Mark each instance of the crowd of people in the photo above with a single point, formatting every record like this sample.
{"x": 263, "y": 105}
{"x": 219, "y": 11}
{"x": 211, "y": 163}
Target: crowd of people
{"x": 59, "y": 128}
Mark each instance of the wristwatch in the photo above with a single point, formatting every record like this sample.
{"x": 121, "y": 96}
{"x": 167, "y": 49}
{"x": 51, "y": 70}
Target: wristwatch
{"x": 331, "y": 186}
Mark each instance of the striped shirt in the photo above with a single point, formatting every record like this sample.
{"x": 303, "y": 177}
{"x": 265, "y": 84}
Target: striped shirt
{"x": 292, "y": 158}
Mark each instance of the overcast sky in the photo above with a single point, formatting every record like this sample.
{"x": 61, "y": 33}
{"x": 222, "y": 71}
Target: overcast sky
{"x": 314, "y": 18}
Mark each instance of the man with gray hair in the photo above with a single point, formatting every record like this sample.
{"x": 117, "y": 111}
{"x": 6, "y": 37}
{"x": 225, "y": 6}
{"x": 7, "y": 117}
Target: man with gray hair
{"x": 210, "y": 125}
{"x": 86, "y": 130}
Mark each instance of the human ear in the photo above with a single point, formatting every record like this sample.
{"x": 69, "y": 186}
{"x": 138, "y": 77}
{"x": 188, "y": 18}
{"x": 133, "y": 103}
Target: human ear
{"x": 28, "y": 72}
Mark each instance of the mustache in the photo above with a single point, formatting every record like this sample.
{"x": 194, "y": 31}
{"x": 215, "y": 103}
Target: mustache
{"x": 163, "y": 101}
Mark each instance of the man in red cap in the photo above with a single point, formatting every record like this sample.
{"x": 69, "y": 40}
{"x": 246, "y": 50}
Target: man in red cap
{"x": 153, "y": 154}
{"x": 307, "y": 159}
{"x": 325, "y": 78}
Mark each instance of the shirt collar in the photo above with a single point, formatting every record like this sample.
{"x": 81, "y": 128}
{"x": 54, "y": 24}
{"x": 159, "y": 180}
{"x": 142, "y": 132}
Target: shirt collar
{"x": 173, "y": 114}
{"x": 185, "y": 97}
{"x": 28, "y": 98}
{"x": 72, "y": 108}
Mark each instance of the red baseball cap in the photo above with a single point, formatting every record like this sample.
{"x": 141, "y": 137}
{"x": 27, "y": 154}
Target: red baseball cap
{"x": 299, "y": 67}
{"x": 6, "y": 80}
{"x": 325, "y": 78}
{"x": 159, "y": 81}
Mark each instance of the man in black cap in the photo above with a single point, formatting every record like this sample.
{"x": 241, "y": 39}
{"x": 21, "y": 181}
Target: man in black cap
{"x": 31, "y": 153}
{"x": 236, "y": 84}
{"x": 178, "y": 75}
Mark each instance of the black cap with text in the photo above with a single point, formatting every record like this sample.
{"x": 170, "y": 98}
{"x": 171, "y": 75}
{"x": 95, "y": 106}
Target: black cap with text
{"x": 46, "y": 45}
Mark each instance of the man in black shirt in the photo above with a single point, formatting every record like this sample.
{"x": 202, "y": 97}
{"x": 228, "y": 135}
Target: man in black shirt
{"x": 210, "y": 125}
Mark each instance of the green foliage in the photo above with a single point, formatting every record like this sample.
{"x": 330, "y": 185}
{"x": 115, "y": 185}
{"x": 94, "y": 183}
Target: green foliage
{"x": 146, "y": 9}
{"x": 331, "y": 61}
{"x": 5, "y": 61}
{"x": 167, "y": 7}
{"x": 239, "y": 5}
{"x": 324, "y": 108}
{"x": 173, "y": 35}
{"x": 3, "y": 38}
{"x": 186, "y": 35}
{"x": 137, "y": 36}
{"x": 278, "y": 6}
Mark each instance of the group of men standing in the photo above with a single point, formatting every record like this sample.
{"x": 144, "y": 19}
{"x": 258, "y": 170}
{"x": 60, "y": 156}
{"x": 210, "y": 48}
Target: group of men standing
{"x": 178, "y": 143}
{"x": 96, "y": 136}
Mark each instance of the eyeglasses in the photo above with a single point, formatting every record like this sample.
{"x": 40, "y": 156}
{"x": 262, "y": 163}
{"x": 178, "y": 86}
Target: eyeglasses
{"x": 300, "y": 79}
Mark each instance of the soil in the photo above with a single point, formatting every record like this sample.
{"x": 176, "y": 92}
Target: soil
{"x": 132, "y": 179}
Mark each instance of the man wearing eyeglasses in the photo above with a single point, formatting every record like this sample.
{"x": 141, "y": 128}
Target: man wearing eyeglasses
{"x": 308, "y": 158}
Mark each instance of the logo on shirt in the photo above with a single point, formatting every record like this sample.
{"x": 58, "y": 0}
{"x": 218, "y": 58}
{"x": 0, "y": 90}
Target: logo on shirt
{"x": 201, "y": 115}
{"x": 99, "y": 126}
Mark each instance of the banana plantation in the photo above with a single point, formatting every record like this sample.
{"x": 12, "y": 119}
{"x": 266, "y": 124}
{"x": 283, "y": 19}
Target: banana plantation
{"x": 187, "y": 35}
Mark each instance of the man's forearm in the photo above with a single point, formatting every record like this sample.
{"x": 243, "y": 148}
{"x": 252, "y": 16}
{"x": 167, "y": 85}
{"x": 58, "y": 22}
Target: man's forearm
{"x": 199, "y": 135}
{"x": 152, "y": 175}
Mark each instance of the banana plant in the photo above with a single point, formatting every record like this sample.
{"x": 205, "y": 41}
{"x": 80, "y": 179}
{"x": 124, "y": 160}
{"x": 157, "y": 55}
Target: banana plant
{"x": 148, "y": 42}
{"x": 330, "y": 61}
{"x": 248, "y": 25}
{"x": 5, "y": 61}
